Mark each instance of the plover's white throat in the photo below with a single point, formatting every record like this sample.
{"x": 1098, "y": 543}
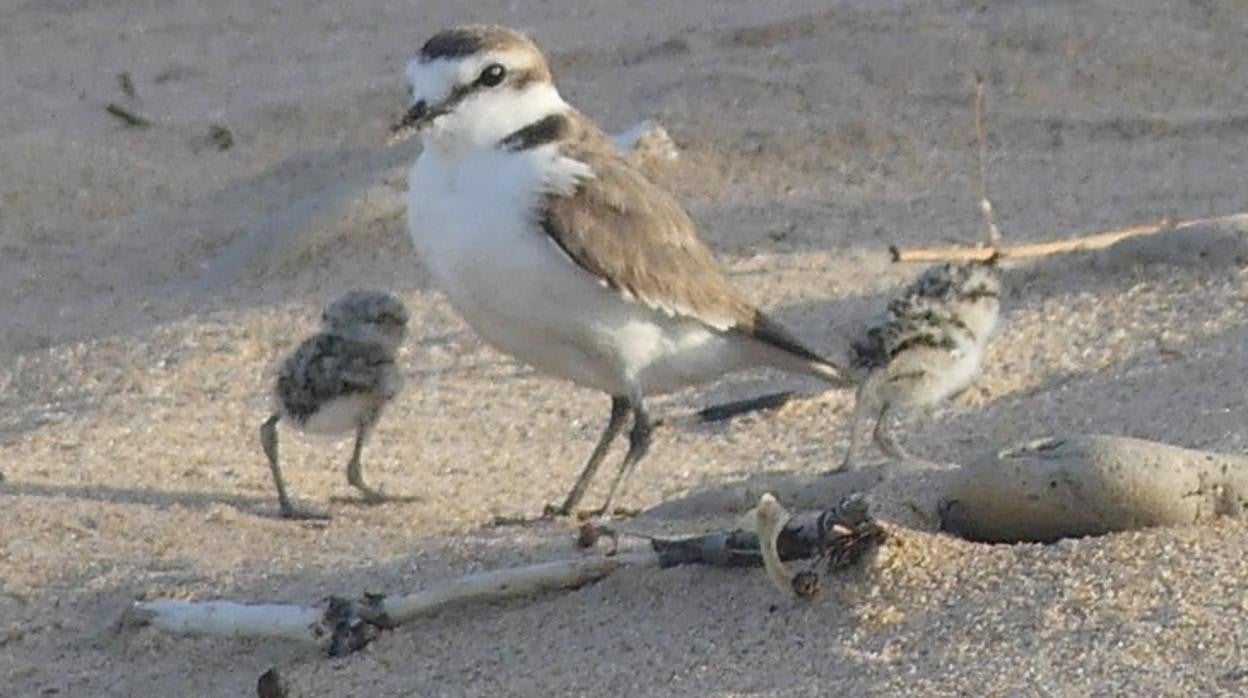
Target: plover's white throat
{"x": 339, "y": 380}
{"x": 927, "y": 346}
{"x": 557, "y": 250}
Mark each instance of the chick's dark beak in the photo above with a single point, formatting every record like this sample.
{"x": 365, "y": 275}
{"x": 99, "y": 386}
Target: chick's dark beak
{"x": 416, "y": 117}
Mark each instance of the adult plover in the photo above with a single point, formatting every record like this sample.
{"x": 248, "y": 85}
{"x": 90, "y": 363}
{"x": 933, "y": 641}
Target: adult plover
{"x": 926, "y": 347}
{"x": 339, "y": 380}
{"x": 556, "y": 249}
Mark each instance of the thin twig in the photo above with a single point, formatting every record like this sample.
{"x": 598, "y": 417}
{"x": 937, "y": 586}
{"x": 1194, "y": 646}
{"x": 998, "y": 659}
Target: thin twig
{"x": 1083, "y": 243}
{"x": 127, "y": 116}
{"x": 981, "y": 137}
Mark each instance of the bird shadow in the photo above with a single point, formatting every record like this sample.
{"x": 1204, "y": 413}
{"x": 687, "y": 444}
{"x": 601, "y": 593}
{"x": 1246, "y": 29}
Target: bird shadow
{"x": 137, "y": 495}
{"x": 362, "y": 503}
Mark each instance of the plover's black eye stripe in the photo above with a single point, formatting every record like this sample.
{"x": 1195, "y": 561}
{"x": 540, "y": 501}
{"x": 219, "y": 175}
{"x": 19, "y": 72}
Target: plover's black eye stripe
{"x": 540, "y": 132}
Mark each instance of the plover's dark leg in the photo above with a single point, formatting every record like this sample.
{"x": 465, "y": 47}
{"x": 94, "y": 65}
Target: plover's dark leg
{"x": 619, "y": 412}
{"x": 268, "y": 440}
{"x": 884, "y": 437}
{"x": 355, "y": 475}
{"x": 638, "y": 444}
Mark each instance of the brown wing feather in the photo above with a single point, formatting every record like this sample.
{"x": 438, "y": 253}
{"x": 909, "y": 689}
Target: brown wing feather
{"x": 637, "y": 239}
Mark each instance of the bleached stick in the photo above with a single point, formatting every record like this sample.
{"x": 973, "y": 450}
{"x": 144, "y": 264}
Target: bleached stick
{"x": 1085, "y": 243}
{"x": 341, "y": 626}
{"x": 498, "y": 585}
{"x": 230, "y": 619}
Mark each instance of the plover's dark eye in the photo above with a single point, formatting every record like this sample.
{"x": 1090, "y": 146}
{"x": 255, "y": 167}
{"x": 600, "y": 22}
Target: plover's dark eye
{"x": 492, "y": 75}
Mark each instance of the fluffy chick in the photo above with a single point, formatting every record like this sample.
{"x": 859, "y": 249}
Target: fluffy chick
{"x": 339, "y": 380}
{"x": 926, "y": 348}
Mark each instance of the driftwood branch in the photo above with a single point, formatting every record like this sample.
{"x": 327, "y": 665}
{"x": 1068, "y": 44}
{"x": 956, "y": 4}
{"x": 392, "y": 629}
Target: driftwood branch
{"x": 1085, "y": 243}
{"x": 341, "y": 626}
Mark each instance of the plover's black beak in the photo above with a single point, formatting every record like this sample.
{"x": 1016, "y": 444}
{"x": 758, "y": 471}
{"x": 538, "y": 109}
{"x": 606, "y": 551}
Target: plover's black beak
{"x": 416, "y": 117}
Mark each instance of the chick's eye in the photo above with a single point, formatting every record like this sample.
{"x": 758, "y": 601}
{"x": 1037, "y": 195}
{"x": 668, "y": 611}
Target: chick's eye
{"x": 492, "y": 75}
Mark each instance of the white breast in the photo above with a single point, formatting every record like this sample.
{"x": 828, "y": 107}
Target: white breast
{"x": 474, "y": 223}
{"x": 339, "y": 415}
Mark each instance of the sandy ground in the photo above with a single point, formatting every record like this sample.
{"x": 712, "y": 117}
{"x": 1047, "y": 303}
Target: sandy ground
{"x": 149, "y": 281}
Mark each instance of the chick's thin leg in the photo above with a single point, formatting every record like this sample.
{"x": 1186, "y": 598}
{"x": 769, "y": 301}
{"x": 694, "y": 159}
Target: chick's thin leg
{"x": 355, "y": 474}
{"x": 268, "y": 440}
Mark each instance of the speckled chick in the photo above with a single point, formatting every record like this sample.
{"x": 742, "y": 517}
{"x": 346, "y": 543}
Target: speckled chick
{"x": 339, "y": 380}
{"x": 927, "y": 347}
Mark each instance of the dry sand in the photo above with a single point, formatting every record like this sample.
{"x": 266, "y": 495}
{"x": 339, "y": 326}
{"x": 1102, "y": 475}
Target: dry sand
{"x": 140, "y": 333}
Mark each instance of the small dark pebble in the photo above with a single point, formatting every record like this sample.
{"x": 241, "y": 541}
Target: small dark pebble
{"x": 220, "y": 137}
{"x": 272, "y": 685}
{"x": 126, "y": 82}
{"x": 805, "y": 584}
{"x": 586, "y": 535}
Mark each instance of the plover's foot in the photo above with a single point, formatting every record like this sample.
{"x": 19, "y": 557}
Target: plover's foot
{"x": 848, "y": 465}
{"x": 369, "y": 495}
{"x": 616, "y": 512}
{"x": 549, "y": 513}
{"x": 552, "y": 512}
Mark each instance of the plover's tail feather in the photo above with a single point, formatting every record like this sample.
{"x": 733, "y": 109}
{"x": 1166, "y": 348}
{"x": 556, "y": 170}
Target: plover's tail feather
{"x": 786, "y": 352}
{"x": 780, "y": 349}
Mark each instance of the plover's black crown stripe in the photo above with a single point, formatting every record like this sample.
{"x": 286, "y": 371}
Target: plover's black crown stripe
{"x": 452, "y": 44}
{"x": 546, "y": 130}
{"x": 471, "y": 39}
